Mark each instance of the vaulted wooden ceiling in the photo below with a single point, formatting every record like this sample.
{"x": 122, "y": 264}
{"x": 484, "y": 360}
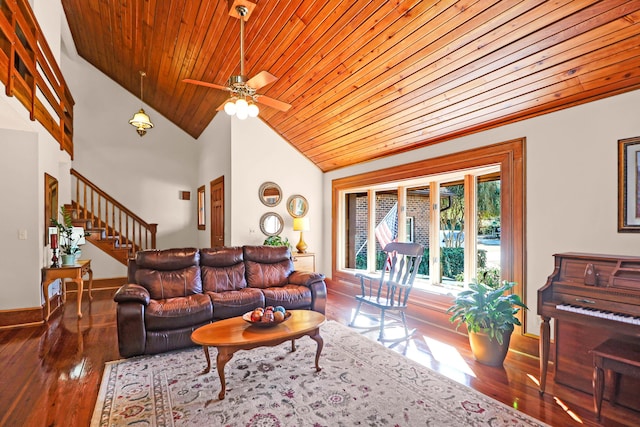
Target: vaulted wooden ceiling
{"x": 367, "y": 79}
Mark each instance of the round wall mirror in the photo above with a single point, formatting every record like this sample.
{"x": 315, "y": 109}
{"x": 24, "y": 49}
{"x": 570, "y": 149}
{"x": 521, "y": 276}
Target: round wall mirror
{"x": 271, "y": 224}
{"x": 297, "y": 206}
{"x": 270, "y": 194}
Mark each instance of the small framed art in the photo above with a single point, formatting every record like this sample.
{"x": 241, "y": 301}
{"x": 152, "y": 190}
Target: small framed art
{"x": 201, "y": 209}
{"x": 629, "y": 185}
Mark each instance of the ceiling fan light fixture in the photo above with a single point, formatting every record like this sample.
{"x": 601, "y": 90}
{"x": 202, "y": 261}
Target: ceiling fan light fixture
{"x": 242, "y": 107}
{"x": 241, "y": 89}
{"x": 230, "y": 107}
{"x": 253, "y": 110}
{"x": 141, "y": 120}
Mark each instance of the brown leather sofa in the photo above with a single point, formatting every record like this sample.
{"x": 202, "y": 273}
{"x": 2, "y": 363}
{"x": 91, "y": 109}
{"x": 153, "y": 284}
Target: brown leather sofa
{"x": 172, "y": 292}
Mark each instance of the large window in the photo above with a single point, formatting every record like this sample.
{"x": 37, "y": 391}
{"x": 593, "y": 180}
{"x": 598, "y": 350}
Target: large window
{"x": 373, "y": 225}
{"x": 471, "y": 230}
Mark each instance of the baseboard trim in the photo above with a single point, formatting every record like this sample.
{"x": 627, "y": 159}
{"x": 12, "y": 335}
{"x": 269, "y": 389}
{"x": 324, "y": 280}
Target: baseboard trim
{"x": 31, "y": 316}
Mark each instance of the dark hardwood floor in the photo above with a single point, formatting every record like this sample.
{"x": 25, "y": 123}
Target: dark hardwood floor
{"x": 50, "y": 374}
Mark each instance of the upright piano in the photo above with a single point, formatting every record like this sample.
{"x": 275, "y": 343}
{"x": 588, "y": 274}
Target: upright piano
{"x": 592, "y": 298}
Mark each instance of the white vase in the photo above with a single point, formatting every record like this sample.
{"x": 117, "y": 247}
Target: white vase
{"x": 68, "y": 259}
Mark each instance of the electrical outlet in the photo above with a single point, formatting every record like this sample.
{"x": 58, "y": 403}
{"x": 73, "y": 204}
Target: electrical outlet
{"x": 22, "y": 234}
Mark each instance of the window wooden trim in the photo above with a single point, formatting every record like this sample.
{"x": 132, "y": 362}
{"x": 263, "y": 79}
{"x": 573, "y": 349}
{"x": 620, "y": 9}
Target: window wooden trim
{"x": 509, "y": 155}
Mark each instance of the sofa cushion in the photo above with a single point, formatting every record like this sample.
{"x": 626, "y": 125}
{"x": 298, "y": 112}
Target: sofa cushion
{"x": 176, "y": 313}
{"x": 167, "y": 259}
{"x": 168, "y": 273}
{"x": 170, "y": 284}
{"x": 288, "y": 296}
{"x": 222, "y": 269}
{"x": 223, "y": 256}
{"x": 235, "y": 303}
{"x": 267, "y": 266}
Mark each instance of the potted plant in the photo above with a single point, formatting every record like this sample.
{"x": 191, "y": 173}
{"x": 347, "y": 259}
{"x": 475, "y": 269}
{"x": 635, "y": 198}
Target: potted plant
{"x": 490, "y": 315}
{"x": 277, "y": 241}
{"x": 68, "y": 244}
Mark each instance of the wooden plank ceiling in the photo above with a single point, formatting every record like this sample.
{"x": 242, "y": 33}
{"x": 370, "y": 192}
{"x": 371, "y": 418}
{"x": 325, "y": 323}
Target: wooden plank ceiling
{"x": 367, "y": 79}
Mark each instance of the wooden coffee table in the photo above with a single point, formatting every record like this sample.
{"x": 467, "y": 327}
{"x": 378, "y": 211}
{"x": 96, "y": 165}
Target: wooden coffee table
{"x": 231, "y": 335}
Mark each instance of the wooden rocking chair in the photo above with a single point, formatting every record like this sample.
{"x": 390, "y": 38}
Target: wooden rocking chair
{"x": 390, "y": 291}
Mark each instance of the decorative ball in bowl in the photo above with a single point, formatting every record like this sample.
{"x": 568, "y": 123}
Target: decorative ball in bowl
{"x": 268, "y": 316}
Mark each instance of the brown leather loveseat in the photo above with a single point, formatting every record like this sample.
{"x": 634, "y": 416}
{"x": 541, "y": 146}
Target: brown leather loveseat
{"x": 172, "y": 292}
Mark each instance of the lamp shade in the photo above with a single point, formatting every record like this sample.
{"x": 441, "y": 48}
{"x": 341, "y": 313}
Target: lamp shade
{"x": 301, "y": 224}
{"x": 141, "y": 121}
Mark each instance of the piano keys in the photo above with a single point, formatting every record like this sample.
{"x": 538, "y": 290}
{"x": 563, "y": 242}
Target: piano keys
{"x": 603, "y": 314}
{"x": 592, "y": 298}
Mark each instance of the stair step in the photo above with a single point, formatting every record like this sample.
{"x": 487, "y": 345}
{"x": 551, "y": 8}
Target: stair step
{"x": 100, "y": 234}
{"x": 84, "y": 223}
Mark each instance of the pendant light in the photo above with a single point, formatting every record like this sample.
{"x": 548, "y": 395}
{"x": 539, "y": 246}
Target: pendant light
{"x": 141, "y": 120}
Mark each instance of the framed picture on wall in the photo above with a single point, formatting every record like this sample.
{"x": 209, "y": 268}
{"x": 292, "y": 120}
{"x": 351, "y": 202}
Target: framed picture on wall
{"x": 201, "y": 209}
{"x": 50, "y": 203}
{"x": 629, "y": 185}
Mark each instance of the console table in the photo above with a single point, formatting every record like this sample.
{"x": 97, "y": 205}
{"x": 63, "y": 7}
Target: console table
{"x": 72, "y": 272}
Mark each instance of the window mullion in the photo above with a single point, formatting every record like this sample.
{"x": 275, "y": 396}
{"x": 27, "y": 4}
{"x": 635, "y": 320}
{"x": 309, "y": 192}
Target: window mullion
{"x": 402, "y": 214}
{"x": 435, "y": 274}
{"x": 470, "y": 228}
{"x": 371, "y": 241}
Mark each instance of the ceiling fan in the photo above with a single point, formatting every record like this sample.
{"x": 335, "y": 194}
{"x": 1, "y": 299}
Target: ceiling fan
{"x": 244, "y": 92}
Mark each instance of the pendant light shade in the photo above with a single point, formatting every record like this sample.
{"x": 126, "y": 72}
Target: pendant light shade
{"x": 141, "y": 120}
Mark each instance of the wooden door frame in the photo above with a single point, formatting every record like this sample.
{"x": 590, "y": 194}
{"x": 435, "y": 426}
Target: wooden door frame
{"x": 215, "y": 182}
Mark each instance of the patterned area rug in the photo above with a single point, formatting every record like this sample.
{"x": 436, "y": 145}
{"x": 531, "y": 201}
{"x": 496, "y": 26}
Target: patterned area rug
{"x": 361, "y": 383}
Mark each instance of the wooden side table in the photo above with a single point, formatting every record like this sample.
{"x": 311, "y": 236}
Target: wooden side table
{"x": 71, "y": 272}
{"x": 621, "y": 357}
{"x": 304, "y": 262}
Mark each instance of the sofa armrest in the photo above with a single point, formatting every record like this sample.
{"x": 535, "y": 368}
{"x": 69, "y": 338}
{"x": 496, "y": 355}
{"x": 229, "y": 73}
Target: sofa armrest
{"x": 315, "y": 282}
{"x": 132, "y": 301}
{"x": 132, "y": 334}
{"x": 305, "y": 278}
{"x": 132, "y": 293}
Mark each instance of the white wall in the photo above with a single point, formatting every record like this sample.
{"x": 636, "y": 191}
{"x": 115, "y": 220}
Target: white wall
{"x": 19, "y": 263}
{"x": 215, "y": 161}
{"x": 248, "y": 153}
{"x": 258, "y": 154}
{"x": 146, "y": 174}
{"x": 50, "y": 16}
{"x": 571, "y": 183}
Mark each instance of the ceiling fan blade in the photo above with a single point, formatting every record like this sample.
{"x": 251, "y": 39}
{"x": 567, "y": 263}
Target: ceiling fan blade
{"x": 200, "y": 83}
{"x": 261, "y": 79}
{"x": 274, "y": 103}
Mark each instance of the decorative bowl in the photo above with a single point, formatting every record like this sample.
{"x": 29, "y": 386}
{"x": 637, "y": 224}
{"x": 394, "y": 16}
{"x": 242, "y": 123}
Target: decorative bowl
{"x": 247, "y": 318}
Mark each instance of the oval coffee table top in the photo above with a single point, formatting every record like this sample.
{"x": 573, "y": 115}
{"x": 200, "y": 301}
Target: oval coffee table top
{"x": 236, "y": 331}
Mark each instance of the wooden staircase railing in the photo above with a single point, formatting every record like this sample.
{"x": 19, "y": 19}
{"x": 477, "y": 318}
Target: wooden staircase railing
{"x": 31, "y": 73}
{"x": 119, "y": 228}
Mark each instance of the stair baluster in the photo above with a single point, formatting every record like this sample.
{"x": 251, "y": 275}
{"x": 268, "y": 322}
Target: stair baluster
{"x": 122, "y": 238}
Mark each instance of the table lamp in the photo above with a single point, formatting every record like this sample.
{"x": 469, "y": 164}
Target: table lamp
{"x": 301, "y": 224}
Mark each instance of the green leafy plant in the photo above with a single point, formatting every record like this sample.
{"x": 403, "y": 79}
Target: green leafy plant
{"x": 68, "y": 245}
{"x": 487, "y": 309}
{"x": 276, "y": 241}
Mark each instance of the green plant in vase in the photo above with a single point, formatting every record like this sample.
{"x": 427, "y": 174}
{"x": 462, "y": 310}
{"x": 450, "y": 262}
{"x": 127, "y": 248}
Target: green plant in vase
{"x": 68, "y": 242}
{"x": 490, "y": 315}
{"x": 277, "y": 241}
